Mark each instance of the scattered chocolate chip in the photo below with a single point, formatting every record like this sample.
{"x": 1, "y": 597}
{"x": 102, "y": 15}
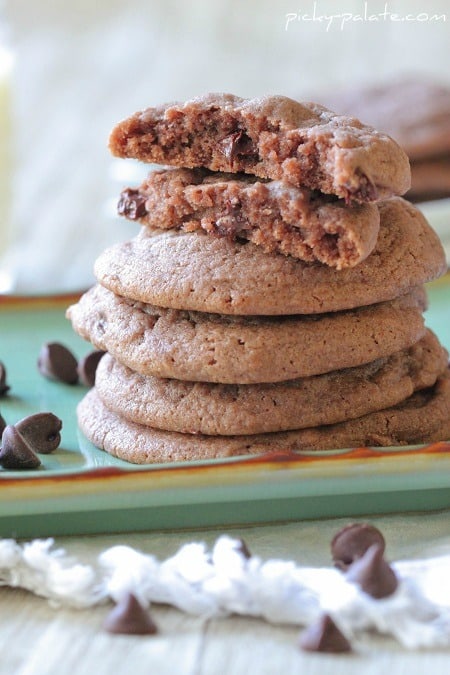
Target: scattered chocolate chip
{"x": 128, "y": 617}
{"x": 58, "y": 363}
{"x": 324, "y": 636}
{"x": 4, "y": 388}
{"x": 87, "y": 367}
{"x": 243, "y": 549}
{"x": 2, "y": 424}
{"x": 352, "y": 542}
{"x": 238, "y": 143}
{"x": 41, "y": 431}
{"x": 15, "y": 452}
{"x": 131, "y": 204}
{"x": 373, "y": 574}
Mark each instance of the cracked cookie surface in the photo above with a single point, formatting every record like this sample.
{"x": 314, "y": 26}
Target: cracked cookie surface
{"x": 230, "y": 409}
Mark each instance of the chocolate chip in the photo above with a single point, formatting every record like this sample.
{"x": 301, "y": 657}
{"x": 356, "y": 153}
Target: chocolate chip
{"x": 41, "y": 431}
{"x": 4, "y": 388}
{"x": 58, "y": 363}
{"x": 15, "y": 452}
{"x": 324, "y": 636}
{"x": 132, "y": 204}
{"x": 238, "y": 143}
{"x": 352, "y": 542}
{"x": 243, "y": 549}
{"x": 373, "y": 574}
{"x": 87, "y": 367}
{"x": 129, "y": 618}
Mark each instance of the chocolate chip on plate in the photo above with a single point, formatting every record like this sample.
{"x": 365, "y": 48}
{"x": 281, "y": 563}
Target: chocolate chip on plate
{"x": 4, "y": 388}
{"x": 324, "y": 636}
{"x": 87, "y": 367}
{"x": 352, "y": 541}
{"x": 128, "y": 617}
{"x": 15, "y": 452}
{"x": 373, "y": 574}
{"x": 58, "y": 363}
{"x": 41, "y": 431}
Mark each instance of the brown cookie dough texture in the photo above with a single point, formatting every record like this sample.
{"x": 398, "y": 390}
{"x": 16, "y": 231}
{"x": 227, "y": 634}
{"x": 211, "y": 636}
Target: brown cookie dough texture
{"x": 194, "y": 271}
{"x": 234, "y": 349}
{"x": 230, "y": 409}
{"x": 272, "y": 137}
{"x": 278, "y": 217}
{"x": 423, "y": 418}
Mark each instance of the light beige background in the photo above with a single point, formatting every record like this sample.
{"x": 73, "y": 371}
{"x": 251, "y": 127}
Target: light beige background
{"x": 82, "y": 66}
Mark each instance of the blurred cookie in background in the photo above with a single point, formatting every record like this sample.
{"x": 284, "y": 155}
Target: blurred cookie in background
{"x": 416, "y": 113}
{"x": 430, "y": 179}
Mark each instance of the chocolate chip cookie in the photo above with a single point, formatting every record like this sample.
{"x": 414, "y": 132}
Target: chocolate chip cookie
{"x": 416, "y": 112}
{"x": 273, "y": 137}
{"x": 423, "y": 418}
{"x": 230, "y": 409}
{"x": 430, "y": 179}
{"x": 278, "y": 217}
{"x": 194, "y": 271}
{"x": 234, "y": 349}
{"x": 413, "y": 110}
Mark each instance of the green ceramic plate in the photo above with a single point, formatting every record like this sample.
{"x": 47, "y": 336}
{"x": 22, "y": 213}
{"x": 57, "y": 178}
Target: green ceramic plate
{"x": 80, "y": 489}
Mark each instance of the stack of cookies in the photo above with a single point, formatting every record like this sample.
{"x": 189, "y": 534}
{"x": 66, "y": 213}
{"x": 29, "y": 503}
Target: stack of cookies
{"x": 273, "y": 298}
